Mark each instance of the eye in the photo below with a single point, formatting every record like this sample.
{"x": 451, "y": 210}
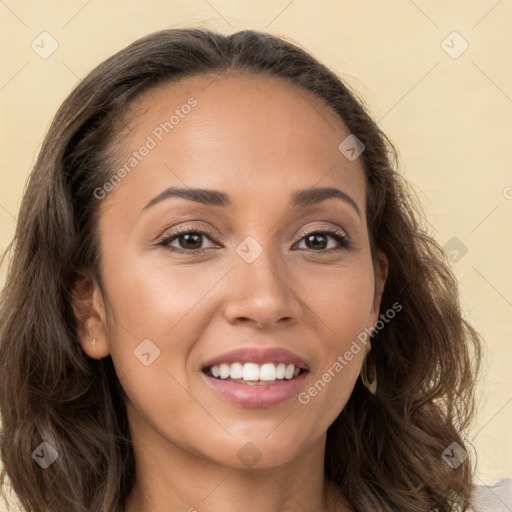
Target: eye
{"x": 317, "y": 241}
{"x": 188, "y": 240}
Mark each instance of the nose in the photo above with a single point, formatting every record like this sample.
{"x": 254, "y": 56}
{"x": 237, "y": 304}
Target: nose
{"x": 261, "y": 293}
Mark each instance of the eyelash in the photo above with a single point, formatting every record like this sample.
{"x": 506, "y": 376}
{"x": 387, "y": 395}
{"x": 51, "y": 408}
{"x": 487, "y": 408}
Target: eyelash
{"x": 338, "y": 235}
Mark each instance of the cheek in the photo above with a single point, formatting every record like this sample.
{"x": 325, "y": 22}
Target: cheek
{"x": 342, "y": 300}
{"x": 151, "y": 300}
{"x": 343, "y": 306}
{"x": 158, "y": 313}
{"x": 157, "y": 316}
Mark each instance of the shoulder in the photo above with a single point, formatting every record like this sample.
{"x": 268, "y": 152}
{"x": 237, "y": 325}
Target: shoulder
{"x": 497, "y": 498}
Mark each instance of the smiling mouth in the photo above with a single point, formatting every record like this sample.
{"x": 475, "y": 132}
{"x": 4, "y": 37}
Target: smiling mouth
{"x": 253, "y": 373}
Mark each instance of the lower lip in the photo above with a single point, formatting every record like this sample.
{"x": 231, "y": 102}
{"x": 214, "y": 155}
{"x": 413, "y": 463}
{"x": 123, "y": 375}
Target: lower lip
{"x": 257, "y": 395}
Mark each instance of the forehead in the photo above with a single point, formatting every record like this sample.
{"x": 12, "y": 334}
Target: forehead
{"x": 258, "y": 131}
{"x": 272, "y": 103}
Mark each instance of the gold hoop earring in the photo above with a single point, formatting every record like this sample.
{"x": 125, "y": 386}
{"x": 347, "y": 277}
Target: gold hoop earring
{"x": 369, "y": 375}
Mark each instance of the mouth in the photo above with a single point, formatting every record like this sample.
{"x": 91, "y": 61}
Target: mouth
{"x": 253, "y": 373}
{"x": 255, "y": 377}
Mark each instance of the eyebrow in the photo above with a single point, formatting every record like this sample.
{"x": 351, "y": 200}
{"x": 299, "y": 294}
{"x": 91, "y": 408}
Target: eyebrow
{"x": 300, "y": 198}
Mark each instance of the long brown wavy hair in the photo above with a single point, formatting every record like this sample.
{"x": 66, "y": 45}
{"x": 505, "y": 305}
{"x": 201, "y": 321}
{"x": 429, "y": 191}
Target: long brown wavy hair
{"x": 383, "y": 452}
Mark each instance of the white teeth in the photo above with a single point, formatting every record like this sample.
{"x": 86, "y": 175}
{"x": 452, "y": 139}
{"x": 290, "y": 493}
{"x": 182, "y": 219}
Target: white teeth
{"x": 268, "y": 371}
{"x": 254, "y": 372}
{"x": 224, "y": 371}
{"x": 237, "y": 371}
{"x": 288, "y": 374}
{"x": 250, "y": 371}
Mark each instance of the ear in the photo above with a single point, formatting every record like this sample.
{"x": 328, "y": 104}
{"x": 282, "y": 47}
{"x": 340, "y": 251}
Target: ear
{"x": 89, "y": 310}
{"x": 381, "y": 266}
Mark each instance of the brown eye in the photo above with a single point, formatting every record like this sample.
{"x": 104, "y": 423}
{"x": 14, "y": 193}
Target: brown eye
{"x": 318, "y": 241}
{"x": 188, "y": 240}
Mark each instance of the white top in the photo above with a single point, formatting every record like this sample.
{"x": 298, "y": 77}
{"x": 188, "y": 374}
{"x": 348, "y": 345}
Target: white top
{"x": 497, "y": 498}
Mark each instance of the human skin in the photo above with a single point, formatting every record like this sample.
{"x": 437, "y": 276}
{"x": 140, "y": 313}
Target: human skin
{"x": 257, "y": 139}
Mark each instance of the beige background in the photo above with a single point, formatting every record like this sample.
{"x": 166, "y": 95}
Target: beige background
{"x": 449, "y": 117}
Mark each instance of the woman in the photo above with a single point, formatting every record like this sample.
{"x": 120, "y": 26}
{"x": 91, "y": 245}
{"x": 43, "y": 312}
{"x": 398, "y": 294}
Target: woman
{"x": 221, "y": 297}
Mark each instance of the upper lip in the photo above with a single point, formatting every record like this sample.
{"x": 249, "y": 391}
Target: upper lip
{"x": 258, "y": 355}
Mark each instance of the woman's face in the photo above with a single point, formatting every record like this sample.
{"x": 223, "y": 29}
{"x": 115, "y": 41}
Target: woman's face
{"x": 236, "y": 158}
